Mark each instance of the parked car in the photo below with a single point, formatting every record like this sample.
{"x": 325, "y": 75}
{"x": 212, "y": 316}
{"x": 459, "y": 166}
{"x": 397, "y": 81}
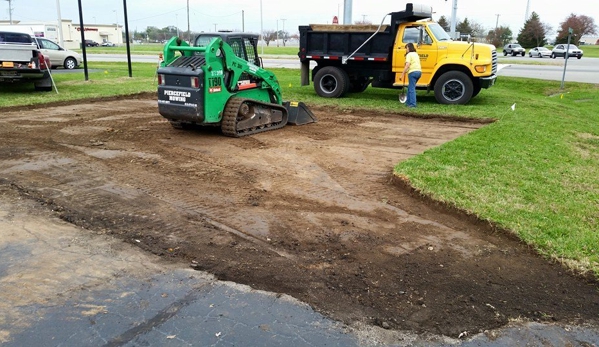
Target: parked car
{"x": 560, "y": 51}
{"x": 514, "y": 49}
{"x": 91, "y": 43}
{"x": 108, "y": 44}
{"x": 58, "y": 56}
{"x": 539, "y": 52}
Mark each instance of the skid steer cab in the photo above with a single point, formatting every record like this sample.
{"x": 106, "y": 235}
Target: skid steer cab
{"x": 219, "y": 81}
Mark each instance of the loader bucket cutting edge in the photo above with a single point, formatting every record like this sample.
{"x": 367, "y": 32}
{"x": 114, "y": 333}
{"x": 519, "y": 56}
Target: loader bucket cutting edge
{"x": 299, "y": 113}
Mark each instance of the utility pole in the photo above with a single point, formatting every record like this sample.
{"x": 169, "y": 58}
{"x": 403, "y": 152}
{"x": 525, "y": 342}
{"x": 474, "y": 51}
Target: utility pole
{"x": 242, "y": 21}
{"x": 363, "y": 19}
{"x": 177, "y": 23}
{"x": 215, "y": 26}
{"x": 527, "y": 10}
{"x": 277, "y": 33}
{"x": 497, "y": 21}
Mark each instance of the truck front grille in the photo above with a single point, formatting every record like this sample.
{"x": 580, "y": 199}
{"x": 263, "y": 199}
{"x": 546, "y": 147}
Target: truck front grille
{"x": 494, "y": 56}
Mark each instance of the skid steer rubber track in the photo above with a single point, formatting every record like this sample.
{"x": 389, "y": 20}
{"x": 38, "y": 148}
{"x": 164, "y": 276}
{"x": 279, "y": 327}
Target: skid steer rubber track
{"x": 243, "y": 117}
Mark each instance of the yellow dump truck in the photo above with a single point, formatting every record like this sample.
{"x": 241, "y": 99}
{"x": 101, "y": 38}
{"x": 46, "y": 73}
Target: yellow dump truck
{"x": 349, "y": 58}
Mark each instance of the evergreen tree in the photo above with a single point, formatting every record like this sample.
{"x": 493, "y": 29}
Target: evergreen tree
{"x": 534, "y": 33}
{"x": 443, "y": 23}
{"x": 464, "y": 27}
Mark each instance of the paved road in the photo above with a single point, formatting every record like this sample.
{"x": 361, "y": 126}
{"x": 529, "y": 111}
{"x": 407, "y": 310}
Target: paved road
{"x": 584, "y": 70}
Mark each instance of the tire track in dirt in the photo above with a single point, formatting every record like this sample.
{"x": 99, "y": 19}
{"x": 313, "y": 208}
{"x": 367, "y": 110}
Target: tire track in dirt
{"x": 308, "y": 211}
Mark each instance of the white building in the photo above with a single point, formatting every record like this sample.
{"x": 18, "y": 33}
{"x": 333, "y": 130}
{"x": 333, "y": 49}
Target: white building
{"x": 589, "y": 40}
{"x": 71, "y": 32}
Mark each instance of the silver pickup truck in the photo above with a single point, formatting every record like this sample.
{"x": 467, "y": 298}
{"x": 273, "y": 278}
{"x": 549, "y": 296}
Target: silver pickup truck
{"x": 22, "y": 62}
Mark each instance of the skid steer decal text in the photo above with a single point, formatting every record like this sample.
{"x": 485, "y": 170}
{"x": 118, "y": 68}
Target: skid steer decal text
{"x": 174, "y": 95}
{"x": 215, "y": 84}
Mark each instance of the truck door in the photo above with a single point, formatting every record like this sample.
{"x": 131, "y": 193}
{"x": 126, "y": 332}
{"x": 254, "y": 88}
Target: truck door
{"x": 425, "y": 46}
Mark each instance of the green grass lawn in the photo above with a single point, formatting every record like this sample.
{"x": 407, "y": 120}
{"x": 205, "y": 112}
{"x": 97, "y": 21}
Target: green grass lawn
{"x": 532, "y": 172}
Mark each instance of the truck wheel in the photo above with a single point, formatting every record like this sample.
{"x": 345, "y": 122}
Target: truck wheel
{"x": 331, "y": 82}
{"x": 454, "y": 87}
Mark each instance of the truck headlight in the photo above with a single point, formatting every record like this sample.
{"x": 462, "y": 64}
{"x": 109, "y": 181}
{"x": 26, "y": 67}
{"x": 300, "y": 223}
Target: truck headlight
{"x": 480, "y": 68}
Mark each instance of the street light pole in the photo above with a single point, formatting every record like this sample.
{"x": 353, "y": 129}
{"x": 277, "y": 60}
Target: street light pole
{"x": 116, "y": 25}
{"x": 284, "y": 35}
{"x": 188, "y": 27}
{"x": 261, "y": 28}
{"x": 60, "y": 35}
{"x": 10, "y": 11}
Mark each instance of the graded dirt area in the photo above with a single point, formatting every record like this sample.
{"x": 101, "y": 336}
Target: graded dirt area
{"x": 312, "y": 211}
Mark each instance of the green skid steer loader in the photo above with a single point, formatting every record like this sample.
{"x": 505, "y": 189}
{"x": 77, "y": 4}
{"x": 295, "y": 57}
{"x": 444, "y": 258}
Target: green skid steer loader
{"x": 219, "y": 81}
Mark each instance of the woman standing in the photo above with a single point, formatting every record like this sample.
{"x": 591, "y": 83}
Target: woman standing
{"x": 414, "y": 71}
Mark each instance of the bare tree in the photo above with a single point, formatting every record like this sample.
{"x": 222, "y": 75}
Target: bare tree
{"x": 269, "y": 35}
{"x": 478, "y": 30}
{"x": 499, "y": 36}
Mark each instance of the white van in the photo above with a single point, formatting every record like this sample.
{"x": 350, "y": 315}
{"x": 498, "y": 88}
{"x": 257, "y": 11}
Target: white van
{"x": 58, "y": 56}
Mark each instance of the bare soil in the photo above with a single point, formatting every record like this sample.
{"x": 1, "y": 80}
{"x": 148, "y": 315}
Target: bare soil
{"x": 312, "y": 211}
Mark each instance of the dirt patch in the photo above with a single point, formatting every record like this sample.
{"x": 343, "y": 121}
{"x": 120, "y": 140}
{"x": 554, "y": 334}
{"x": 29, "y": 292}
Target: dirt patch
{"x": 311, "y": 211}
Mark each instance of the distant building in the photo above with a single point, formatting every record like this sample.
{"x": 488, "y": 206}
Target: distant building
{"x": 71, "y": 32}
{"x": 589, "y": 40}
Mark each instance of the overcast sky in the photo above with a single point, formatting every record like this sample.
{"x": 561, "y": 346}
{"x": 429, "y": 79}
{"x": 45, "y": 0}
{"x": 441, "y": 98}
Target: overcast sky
{"x": 207, "y": 15}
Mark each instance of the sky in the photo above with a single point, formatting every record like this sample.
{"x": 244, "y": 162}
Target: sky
{"x": 270, "y": 15}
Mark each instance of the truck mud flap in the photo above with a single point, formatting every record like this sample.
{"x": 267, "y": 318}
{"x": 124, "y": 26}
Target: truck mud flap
{"x": 299, "y": 113}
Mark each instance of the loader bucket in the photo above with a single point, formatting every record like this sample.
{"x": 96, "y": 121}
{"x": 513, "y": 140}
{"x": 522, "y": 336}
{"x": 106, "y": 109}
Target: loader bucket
{"x": 299, "y": 113}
